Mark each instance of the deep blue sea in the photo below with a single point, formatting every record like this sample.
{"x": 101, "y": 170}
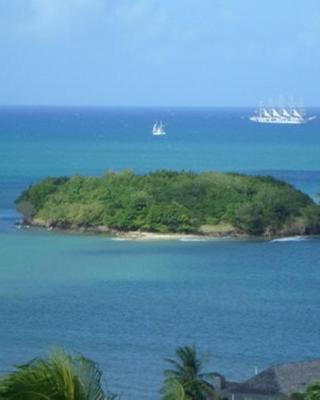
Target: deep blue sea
{"x": 129, "y": 304}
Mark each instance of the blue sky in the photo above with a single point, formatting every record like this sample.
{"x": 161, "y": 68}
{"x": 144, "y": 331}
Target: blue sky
{"x": 159, "y": 52}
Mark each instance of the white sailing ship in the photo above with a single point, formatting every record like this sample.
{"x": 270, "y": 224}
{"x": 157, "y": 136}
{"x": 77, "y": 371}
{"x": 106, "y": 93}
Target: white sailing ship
{"x": 158, "y": 129}
{"x": 280, "y": 115}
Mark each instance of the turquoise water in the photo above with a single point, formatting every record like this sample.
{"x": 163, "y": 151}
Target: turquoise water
{"x": 128, "y": 304}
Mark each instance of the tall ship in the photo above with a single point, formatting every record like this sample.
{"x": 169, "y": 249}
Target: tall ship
{"x": 281, "y": 115}
{"x": 158, "y": 129}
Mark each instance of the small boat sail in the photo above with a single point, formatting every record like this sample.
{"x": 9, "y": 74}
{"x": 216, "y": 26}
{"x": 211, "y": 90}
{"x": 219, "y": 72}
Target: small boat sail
{"x": 158, "y": 129}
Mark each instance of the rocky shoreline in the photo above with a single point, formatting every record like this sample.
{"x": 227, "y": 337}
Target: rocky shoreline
{"x": 134, "y": 235}
{"x": 145, "y": 235}
{"x": 159, "y": 204}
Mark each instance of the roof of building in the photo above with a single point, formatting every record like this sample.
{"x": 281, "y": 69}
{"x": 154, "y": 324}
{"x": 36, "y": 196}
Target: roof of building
{"x": 282, "y": 379}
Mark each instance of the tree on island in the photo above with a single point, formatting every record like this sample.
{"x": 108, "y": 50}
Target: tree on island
{"x": 171, "y": 202}
{"x": 186, "y": 380}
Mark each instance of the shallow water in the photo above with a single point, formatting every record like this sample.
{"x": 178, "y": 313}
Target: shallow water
{"x": 128, "y": 304}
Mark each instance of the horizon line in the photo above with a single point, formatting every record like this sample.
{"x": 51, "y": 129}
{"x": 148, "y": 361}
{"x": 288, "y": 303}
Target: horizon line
{"x": 131, "y": 106}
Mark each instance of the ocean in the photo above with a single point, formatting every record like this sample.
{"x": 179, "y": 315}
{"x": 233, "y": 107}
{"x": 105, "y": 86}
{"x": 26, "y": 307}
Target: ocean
{"x": 129, "y": 304}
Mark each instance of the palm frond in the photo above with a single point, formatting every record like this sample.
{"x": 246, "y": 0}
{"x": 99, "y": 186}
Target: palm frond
{"x": 57, "y": 377}
{"x": 174, "y": 391}
{"x": 187, "y": 371}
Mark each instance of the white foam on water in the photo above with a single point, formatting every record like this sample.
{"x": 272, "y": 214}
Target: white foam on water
{"x": 192, "y": 240}
{"x": 290, "y": 239}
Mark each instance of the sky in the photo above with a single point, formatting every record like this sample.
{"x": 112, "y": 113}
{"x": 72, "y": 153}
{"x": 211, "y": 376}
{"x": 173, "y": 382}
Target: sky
{"x": 159, "y": 52}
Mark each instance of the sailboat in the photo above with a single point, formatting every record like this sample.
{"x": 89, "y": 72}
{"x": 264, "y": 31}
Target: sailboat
{"x": 158, "y": 129}
{"x": 281, "y": 115}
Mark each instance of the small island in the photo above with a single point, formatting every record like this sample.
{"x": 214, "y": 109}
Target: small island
{"x": 171, "y": 203}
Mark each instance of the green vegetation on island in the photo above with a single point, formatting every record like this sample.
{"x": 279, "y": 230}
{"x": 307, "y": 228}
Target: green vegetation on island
{"x": 172, "y": 202}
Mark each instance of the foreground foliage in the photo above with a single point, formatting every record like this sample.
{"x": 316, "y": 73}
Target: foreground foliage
{"x": 61, "y": 376}
{"x": 58, "y": 377}
{"x": 186, "y": 380}
{"x": 167, "y": 201}
{"x": 312, "y": 393}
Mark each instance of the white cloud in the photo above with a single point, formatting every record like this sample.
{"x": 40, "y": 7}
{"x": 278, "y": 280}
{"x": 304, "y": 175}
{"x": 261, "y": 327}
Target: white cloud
{"x": 54, "y": 18}
{"x": 51, "y": 16}
{"x": 48, "y": 17}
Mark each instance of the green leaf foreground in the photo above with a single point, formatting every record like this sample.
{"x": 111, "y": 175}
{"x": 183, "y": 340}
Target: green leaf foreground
{"x": 62, "y": 376}
{"x": 186, "y": 379}
{"x": 311, "y": 393}
{"x": 57, "y": 377}
{"x": 172, "y": 202}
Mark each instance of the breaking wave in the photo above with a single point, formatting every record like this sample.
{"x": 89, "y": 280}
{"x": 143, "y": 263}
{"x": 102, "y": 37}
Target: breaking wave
{"x": 290, "y": 239}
